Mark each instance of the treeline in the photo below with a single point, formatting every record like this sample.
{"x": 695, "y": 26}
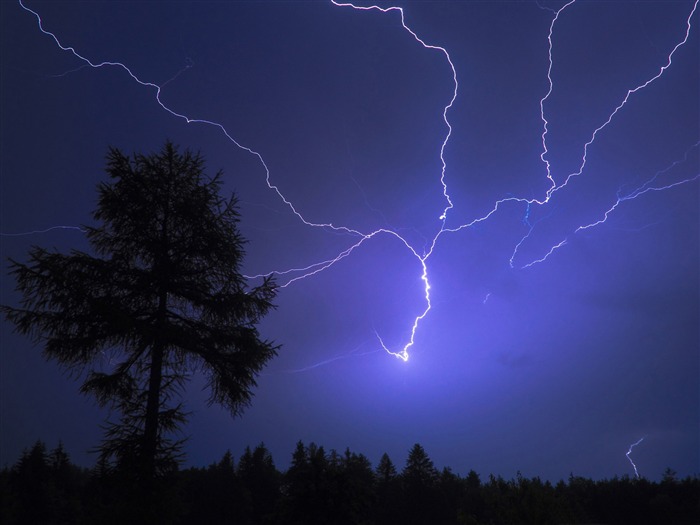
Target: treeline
{"x": 320, "y": 487}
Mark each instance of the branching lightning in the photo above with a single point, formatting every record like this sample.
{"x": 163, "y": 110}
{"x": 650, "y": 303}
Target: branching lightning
{"x": 645, "y": 188}
{"x": 543, "y": 156}
{"x": 359, "y": 238}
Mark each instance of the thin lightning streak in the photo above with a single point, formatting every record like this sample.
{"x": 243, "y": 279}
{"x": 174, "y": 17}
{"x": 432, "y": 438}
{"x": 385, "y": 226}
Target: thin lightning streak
{"x": 634, "y": 195}
{"x": 543, "y": 155}
{"x": 69, "y": 72}
{"x": 369, "y": 206}
{"x": 511, "y": 261}
{"x": 531, "y": 227}
{"x": 644, "y": 188}
{"x": 347, "y": 355}
{"x": 546, "y": 256}
{"x": 316, "y": 268}
{"x": 188, "y": 120}
{"x": 328, "y": 361}
{"x": 35, "y": 232}
{"x": 313, "y": 269}
{"x": 660, "y": 173}
{"x": 388, "y": 226}
{"x": 554, "y": 188}
{"x": 447, "y": 108}
{"x": 636, "y": 473}
{"x": 630, "y": 92}
{"x": 545, "y": 8}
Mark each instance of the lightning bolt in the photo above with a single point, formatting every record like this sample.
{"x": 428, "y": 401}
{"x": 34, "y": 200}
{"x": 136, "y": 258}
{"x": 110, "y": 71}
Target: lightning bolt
{"x": 554, "y": 187}
{"x": 363, "y": 237}
{"x": 449, "y": 105}
{"x": 636, "y": 473}
{"x": 359, "y": 238}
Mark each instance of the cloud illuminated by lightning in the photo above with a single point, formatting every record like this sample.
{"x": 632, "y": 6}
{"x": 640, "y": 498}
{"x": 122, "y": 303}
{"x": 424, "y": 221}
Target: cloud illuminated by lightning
{"x": 358, "y": 238}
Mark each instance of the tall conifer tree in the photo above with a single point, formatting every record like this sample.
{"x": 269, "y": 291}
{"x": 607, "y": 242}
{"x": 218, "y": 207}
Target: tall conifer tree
{"x": 160, "y": 295}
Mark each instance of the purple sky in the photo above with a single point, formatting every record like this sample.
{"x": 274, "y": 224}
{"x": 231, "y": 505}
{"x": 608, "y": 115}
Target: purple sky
{"x": 550, "y": 369}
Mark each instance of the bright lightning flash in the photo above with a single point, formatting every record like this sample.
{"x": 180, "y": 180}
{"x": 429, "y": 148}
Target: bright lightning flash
{"x": 359, "y": 238}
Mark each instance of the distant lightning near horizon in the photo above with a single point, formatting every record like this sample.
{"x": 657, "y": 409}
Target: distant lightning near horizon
{"x": 422, "y": 256}
{"x": 629, "y": 451}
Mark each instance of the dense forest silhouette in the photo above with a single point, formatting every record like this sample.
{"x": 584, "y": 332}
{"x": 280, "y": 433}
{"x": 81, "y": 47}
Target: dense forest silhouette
{"x": 327, "y": 487}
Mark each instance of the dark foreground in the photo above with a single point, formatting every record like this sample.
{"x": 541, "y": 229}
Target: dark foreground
{"x": 321, "y": 487}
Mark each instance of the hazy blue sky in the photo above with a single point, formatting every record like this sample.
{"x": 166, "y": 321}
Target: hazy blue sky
{"x": 551, "y": 368}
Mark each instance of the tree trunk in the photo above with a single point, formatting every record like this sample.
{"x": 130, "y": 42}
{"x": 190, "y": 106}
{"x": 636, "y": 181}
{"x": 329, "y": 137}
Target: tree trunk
{"x": 151, "y": 504}
{"x": 150, "y": 432}
{"x": 147, "y": 500}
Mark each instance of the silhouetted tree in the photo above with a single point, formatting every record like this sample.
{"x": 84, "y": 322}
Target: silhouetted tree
{"x": 162, "y": 296}
{"x": 296, "y": 486}
{"x": 211, "y": 495}
{"x": 388, "y": 489}
{"x": 42, "y": 487}
{"x": 354, "y": 488}
{"x": 449, "y": 488}
{"x": 66, "y": 485}
{"x": 308, "y": 487}
{"x": 580, "y": 495}
{"x": 472, "y": 507}
{"x": 261, "y": 482}
{"x": 221, "y": 491}
{"x": 419, "y": 479}
{"x": 31, "y": 478}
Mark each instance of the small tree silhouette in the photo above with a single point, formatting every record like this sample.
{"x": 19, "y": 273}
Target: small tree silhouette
{"x": 162, "y": 296}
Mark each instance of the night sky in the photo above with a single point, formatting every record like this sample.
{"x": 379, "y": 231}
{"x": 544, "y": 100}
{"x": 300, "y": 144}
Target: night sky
{"x": 548, "y": 368}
